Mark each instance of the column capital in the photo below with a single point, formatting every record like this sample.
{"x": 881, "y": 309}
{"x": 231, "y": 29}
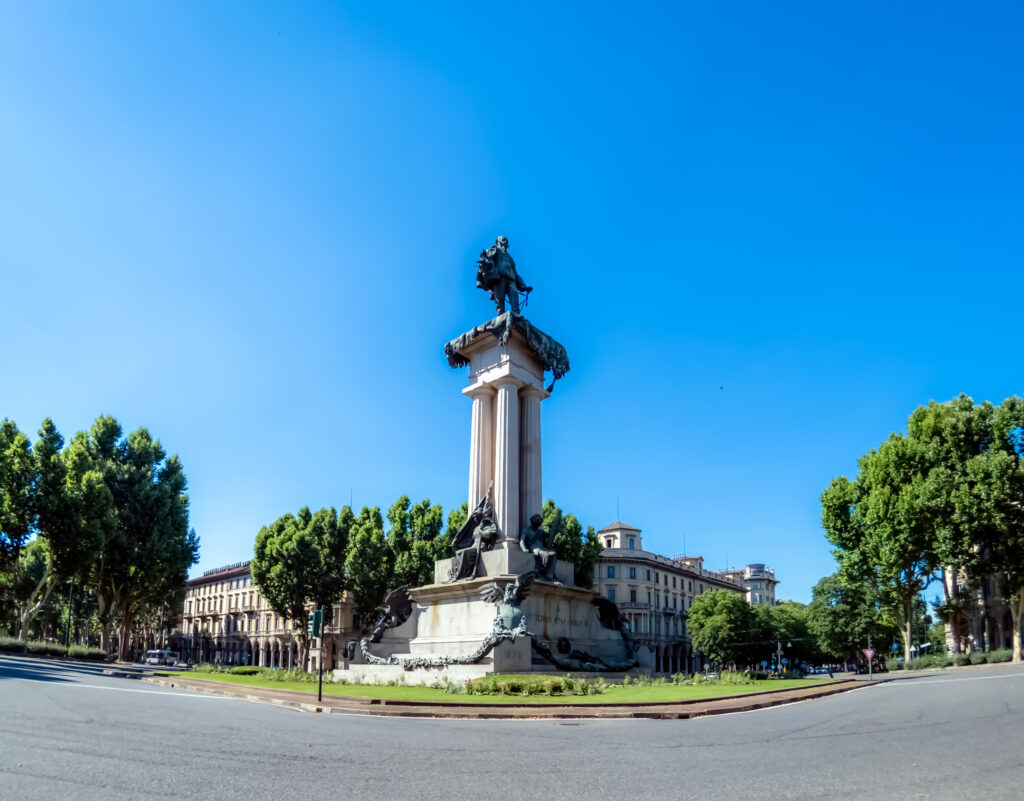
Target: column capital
{"x": 529, "y": 391}
{"x": 479, "y": 390}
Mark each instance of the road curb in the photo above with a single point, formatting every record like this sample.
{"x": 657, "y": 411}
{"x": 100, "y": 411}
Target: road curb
{"x": 672, "y": 710}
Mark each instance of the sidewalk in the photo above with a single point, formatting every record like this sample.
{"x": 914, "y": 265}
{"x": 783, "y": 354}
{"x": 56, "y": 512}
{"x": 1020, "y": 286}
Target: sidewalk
{"x": 677, "y": 710}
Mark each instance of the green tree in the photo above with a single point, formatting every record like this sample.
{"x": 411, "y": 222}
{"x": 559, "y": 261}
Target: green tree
{"x": 882, "y": 528}
{"x": 951, "y": 435}
{"x": 842, "y": 616}
{"x": 415, "y": 540}
{"x": 49, "y": 498}
{"x": 300, "y": 559}
{"x": 721, "y": 623}
{"x": 368, "y": 565}
{"x": 787, "y": 623}
{"x": 141, "y": 523}
{"x": 572, "y": 544}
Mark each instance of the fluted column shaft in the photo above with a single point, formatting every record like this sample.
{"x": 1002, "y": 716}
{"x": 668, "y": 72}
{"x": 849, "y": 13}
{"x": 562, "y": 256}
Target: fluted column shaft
{"x": 531, "y": 493}
{"x": 506, "y": 462}
{"x": 481, "y": 445}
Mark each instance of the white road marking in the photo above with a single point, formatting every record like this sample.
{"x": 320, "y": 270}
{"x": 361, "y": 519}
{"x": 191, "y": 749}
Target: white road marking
{"x": 945, "y": 681}
{"x": 128, "y": 689}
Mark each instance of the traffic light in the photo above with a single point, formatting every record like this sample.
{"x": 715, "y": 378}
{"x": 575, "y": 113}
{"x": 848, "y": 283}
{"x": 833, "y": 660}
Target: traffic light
{"x": 318, "y": 621}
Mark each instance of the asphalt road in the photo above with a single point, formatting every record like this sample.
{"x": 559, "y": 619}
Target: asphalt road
{"x": 69, "y": 732}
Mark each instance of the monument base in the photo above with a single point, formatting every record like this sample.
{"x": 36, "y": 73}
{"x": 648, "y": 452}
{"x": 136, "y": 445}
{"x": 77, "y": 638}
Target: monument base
{"x": 451, "y": 620}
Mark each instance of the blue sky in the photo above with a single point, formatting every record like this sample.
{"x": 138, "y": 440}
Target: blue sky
{"x": 764, "y": 232}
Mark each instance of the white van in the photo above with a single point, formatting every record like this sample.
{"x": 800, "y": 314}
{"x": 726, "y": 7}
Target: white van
{"x": 164, "y": 657}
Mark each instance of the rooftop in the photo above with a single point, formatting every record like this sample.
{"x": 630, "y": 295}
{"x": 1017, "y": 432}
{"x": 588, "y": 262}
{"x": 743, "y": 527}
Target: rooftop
{"x": 618, "y": 525}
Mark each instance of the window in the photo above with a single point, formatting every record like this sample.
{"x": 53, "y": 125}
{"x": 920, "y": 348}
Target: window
{"x": 675, "y": 602}
{"x": 632, "y": 543}
{"x": 611, "y": 594}
{"x": 648, "y": 597}
{"x": 632, "y": 572}
{"x": 611, "y": 571}
{"x": 608, "y": 543}
{"x": 666, "y": 602}
{"x": 648, "y": 575}
{"x": 657, "y": 602}
{"x": 673, "y": 581}
{"x": 691, "y": 585}
{"x": 632, "y": 596}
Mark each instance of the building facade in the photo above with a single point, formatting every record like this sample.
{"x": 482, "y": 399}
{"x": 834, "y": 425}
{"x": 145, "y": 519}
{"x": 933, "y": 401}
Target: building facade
{"x": 654, "y": 594}
{"x": 984, "y": 621}
{"x": 226, "y": 621}
{"x": 758, "y": 580}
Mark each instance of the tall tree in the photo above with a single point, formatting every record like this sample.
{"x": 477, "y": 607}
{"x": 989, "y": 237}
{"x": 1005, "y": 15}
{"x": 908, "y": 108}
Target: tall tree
{"x": 842, "y": 615}
{"x": 721, "y": 625}
{"x": 146, "y": 543}
{"x": 881, "y": 526}
{"x": 368, "y": 566}
{"x": 18, "y": 473}
{"x": 299, "y": 559}
{"x": 60, "y": 505}
{"x": 572, "y": 544}
{"x": 415, "y": 540}
{"x": 950, "y": 435}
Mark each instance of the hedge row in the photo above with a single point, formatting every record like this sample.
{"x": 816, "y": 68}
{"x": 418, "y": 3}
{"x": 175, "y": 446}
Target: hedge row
{"x": 15, "y": 646}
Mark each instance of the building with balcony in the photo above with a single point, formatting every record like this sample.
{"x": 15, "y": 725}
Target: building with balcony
{"x": 759, "y": 582}
{"x": 654, "y": 593}
{"x": 226, "y": 621}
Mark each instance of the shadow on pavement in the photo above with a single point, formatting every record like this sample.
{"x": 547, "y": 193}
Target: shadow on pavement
{"x": 27, "y": 667}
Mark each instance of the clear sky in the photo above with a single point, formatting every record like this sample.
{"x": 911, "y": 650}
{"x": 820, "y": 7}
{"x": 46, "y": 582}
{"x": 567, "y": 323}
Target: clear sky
{"x": 765, "y": 232}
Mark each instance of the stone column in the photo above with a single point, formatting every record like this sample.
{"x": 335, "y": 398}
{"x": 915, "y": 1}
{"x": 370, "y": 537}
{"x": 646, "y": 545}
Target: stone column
{"x": 481, "y": 444}
{"x": 530, "y": 491}
{"x": 506, "y": 460}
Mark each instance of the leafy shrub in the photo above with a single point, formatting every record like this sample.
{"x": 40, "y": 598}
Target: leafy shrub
{"x": 1000, "y": 655}
{"x": 531, "y": 685}
{"x": 930, "y": 661}
{"x": 295, "y": 674}
{"x": 206, "y": 667}
{"x": 979, "y": 658}
{"x": 12, "y": 645}
{"x": 961, "y": 659}
{"x": 46, "y": 648}
{"x": 245, "y": 670}
{"x": 86, "y": 652}
{"x": 733, "y": 678}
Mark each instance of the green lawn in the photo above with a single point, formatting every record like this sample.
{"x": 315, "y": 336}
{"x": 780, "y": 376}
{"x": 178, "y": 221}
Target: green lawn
{"x": 616, "y": 694}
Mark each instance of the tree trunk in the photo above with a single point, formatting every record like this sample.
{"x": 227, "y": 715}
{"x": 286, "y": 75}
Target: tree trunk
{"x": 124, "y": 632}
{"x": 1016, "y": 613}
{"x": 908, "y": 621}
{"x": 41, "y": 594}
{"x": 954, "y": 615}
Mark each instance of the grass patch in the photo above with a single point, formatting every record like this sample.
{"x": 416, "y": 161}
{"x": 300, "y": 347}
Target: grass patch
{"x": 613, "y": 694}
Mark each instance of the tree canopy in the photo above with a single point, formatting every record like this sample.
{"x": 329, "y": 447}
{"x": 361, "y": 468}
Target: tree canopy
{"x": 107, "y": 511}
{"x": 943, "y": 501}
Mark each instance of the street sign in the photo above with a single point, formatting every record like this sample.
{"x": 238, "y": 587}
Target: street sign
{"x": 869, "y": 653}
{"x": 895, "y": 646}
{"x": 764, "y": 663}
{"x": 785, "y": 660}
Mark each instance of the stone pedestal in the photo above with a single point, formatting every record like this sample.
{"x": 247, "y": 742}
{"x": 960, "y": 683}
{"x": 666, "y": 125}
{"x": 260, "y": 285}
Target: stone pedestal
{"x": 452, "y": 619}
